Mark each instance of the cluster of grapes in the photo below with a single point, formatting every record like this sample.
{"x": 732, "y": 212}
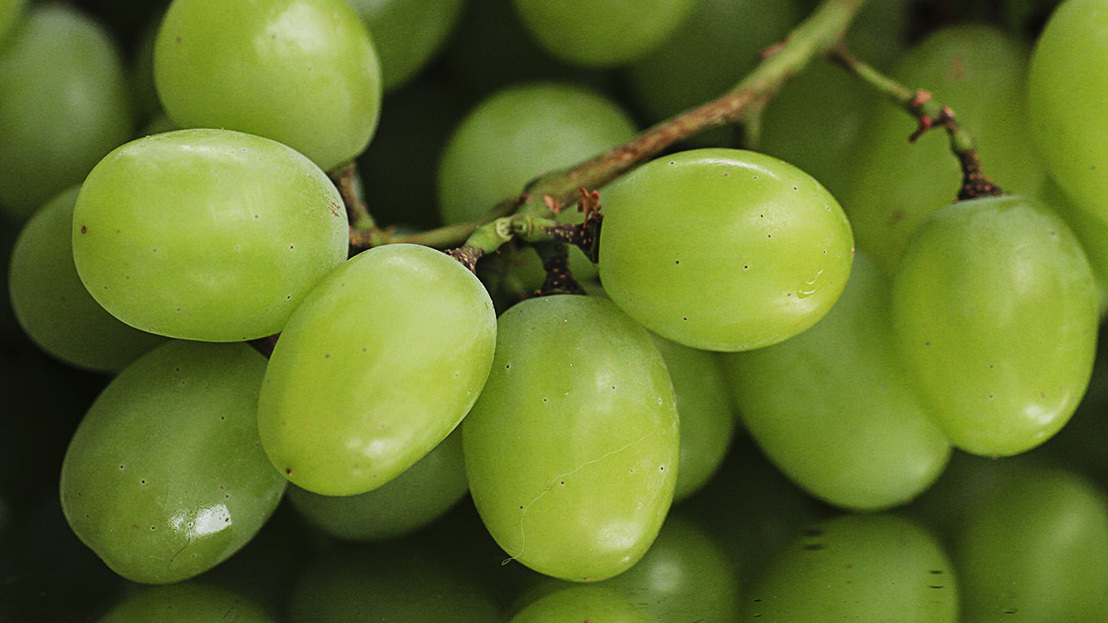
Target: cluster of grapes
{"x": 266, "y": 338}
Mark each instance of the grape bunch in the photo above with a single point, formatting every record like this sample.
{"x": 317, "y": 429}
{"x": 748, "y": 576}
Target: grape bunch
{"x": 468, "y": 310}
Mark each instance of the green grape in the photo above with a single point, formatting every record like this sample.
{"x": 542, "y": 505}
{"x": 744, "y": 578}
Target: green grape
{"x": 1035, "y": 548}
{"x": 185, "y": 602}
{"x": 977, "y": 70}
{"x": 834, "y": 408}
{"x": 11, "y": 12}
{"x": 679, "y": 75}
{"x": 302, "y": 72}
{"x": 407, "y": 33}
{"x": 165, "y": 477}
{"x": 407, "y": 503}
{"x": 63, "y": 105}
{"x": 995, "y": 312}
{"x": 601, "y": 33}
{"x": 859, "y": 568}
{"x": 1065, "y": 91}
{"x": 571, "y": 450}
{"x": 208, "y": 235}
{"x": 518, "y": 133}
{"x": 52, "y": 305}
{"x": 582, "y": 603}
{"x": 685, "y": 576}
{"x": 704, "y": 406}
{"x": 388, "y": 583}
{"x": 375, "y": 368}
{"x": 723, "y": 249}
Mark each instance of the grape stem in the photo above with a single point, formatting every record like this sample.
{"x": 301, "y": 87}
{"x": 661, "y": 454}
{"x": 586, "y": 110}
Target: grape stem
{"x": 821, "y": 31}
{"x": 929, "y": 114}
{"x": 363, "y": 229}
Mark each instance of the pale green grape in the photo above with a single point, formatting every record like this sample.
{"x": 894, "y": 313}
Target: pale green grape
{"x": 571, "y": 450}
{"x": 977, "y": 70}
{"x": 63, "y": 105}
{"x": 834, "y": 408}
{"x": 1035, "y": 547}
{"x": 165, "y": 476}
{"x": 185, "y": 602}
{"x": 375, "y": 368}
{"x": 52, "y": 305}
{"x": 407, "y": 33}
{"x": 1066, "y": 85}
{"x": 518, "y": 133}
{"x": 723, "y": 249}
{"x": 995, "y": 313}
{"x": 602, "y": 33}
{"x": 415, "y": 498}
{"x": 302, "y": 72}
{"x": 859, "y": 568}
{"x": 206, "y": 234}
{"x": 703, "y": 406}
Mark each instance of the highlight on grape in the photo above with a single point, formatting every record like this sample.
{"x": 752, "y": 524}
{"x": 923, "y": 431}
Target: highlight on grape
{"x": 472, "y": 310}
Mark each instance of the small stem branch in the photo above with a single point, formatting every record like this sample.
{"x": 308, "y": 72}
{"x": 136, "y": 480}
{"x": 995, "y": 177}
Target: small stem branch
{"x": 929, "y": 114}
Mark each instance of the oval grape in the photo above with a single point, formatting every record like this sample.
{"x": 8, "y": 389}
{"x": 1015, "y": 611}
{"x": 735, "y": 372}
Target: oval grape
{"x": 209, "y": 235}
{"x": 301, "y": 72}
{"x": 571, "y": 451}
{"x": 165, "y": 477}
{"x": 995, "y": 313}
{"x": 375, "y": 368}
{"x": 723, "y": 249}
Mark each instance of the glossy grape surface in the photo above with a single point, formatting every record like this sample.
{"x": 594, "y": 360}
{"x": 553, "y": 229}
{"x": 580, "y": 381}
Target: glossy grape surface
{"x": 571, "y": 450}
{"x": 1066, "y": 85}
{"x": 207, "y": 235}
{"x": 723, "y": 249}
{"x": 375, "y": 368}
{"x": 63, "y": 105}
{"x": 302, "y": 72}
{"x": 165, "y": 477}
{"x": 52, "y": 305}
{"x": 601, "y": 33}
{"x": 995, "y": 312}
{"x": 834, "y": 408}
